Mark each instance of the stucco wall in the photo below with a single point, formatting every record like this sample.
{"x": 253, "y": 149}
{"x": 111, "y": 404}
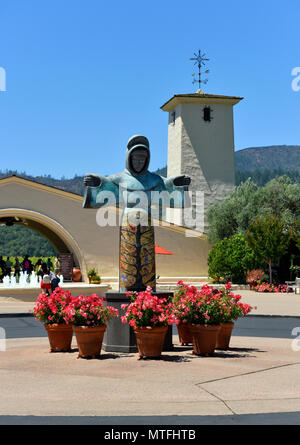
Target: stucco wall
{"x": 203, "y": 150}
{"x": 96, "y": 246}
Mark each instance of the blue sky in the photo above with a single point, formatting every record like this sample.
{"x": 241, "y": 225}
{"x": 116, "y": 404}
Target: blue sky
{"x": 83, "y": 76}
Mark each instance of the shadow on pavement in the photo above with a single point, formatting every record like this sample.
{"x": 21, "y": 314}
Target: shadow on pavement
{"x": 251, "y": 326}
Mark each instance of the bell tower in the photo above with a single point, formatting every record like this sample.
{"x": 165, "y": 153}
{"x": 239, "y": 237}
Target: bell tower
{"x": 201, "y": 142}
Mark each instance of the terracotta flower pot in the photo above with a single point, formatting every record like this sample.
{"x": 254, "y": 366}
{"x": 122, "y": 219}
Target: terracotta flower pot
{"x": 150, "y": 340}
{"x": 224, "y": 335}
{"x": 185, "y": 337}
{"x": 204, "y": 338}
{"x": 60, "y": 337}
{"x": 77, "y": 274}
{"x": 89, "y": 340}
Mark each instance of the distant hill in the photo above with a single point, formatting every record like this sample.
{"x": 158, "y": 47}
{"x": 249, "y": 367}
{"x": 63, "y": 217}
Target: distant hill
{"x": 261, "y": 163}
{"x": 264, "y": 163}
{"x": 74, "y": 185}
{"x": 275, "y": 157}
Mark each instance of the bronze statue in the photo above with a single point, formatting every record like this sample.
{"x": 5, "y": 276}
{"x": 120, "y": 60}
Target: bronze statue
{"x": 137, "y": 246}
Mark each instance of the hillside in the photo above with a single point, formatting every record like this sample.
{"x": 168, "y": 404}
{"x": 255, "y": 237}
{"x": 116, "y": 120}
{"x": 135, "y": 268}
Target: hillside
{"x": 284, "y": 157}
{"x": 18, "y": 240}
{"x": 261, "y": 163}
{"x": 74, "y": 185}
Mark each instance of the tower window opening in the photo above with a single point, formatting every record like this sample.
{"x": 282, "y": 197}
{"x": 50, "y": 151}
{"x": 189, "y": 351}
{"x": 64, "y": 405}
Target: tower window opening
{"x": 207, "y": 114}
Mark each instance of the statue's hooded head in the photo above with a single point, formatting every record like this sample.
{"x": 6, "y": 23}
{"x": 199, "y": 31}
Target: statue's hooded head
{"x": 138, "y": 155}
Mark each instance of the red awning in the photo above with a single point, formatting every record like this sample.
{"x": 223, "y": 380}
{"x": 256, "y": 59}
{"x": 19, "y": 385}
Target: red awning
{"x": 161, "y": 251}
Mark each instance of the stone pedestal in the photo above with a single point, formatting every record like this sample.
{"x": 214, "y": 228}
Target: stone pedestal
{"x": 120, "y": 337}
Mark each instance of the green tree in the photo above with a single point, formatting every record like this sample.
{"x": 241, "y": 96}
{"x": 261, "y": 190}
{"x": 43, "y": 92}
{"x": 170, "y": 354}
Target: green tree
{"x": 268, "y": 239}
{"x": 280, "y": 197}
{"x": 231, "y": 258}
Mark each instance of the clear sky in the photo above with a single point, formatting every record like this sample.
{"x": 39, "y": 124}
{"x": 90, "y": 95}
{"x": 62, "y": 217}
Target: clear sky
{"x": 85, "y": 75}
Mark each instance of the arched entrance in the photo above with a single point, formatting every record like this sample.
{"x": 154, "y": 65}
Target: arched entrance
{"x": 54, "y": 232}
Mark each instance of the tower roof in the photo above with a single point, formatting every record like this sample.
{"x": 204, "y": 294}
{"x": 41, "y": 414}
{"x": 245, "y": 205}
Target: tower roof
{"x": 199, "y": 98}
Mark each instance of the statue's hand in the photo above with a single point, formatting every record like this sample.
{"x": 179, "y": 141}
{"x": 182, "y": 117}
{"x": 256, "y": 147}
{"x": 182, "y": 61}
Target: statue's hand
{"x": 92, "y": 180}
{"x": 182, "y": 180}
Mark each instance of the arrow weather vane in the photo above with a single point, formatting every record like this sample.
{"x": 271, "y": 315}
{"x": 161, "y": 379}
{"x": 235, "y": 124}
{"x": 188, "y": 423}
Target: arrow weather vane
{"x": 200, "y": 61}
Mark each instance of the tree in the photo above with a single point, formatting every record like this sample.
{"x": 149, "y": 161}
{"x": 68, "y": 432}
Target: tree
{"x": 269, "y": 240}
{"x": 231, "y": 258}
{"x": 280, "y": 197}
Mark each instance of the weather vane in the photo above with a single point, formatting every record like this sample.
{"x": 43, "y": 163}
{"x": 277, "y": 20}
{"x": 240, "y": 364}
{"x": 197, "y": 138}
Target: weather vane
{"x": 200, "y": 61}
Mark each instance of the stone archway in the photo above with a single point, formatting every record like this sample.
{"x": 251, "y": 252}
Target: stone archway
{"x": 58, "y": 236}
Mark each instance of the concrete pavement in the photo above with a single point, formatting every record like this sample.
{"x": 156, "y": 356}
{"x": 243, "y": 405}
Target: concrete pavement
{"x": 256, "y": 376}
{"x": 255, "y": 382}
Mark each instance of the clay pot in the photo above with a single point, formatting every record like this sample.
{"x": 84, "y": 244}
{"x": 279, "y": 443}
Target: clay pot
{"x": 77, "y": 274}
{"x": 89, "y": 340}
{"x": 60, "y": 337}
{"x": 204, "y": 338}
{"x": 185, "y": 337}
{"x": 150, "y": 340}
{"x": 224, "y": 335}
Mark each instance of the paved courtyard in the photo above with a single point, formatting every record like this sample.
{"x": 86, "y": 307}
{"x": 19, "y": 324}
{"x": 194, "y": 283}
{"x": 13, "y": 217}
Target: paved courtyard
{"x": 256, "y": 381}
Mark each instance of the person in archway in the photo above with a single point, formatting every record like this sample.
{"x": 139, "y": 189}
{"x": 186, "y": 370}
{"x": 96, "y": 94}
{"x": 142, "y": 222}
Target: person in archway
{"x": 26, "y": 265}
{"x": 2, "y": 267}
{"x": 46, "y": 279}
{"x": 54, "y": 279}
{"x": 56, "y": 266}
{"x": 8, "y": 265}
{"x": 17, "y": 267}
{"x": 37, "y": 265}
{"x": 49, "y": 264}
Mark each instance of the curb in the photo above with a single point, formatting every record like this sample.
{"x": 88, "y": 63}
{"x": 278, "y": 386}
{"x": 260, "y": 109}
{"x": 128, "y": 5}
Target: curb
{"x": 13, "y": 315}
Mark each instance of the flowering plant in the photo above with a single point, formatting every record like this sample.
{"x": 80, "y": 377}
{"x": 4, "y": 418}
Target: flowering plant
{"x": 208, "y": 305}
{"x": 89, "y": 311}
{"x": 197, "y": 307}
{"x": 232, "y": 307}
{"x": 253, "y": 277}
{"x": 53, "y": 309}
{"x": 147, "y": 310}
{"x": 267, "y": 287}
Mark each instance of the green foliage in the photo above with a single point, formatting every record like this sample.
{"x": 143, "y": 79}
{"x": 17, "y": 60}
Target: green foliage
{"x": 233, "y": 214}
{"x": 280, "y": 197}
{"x": 92, "y": 272}
{"x": 268, "y": 238}
{"x": 230, "y": 259}
{"x": 18, "y": 240}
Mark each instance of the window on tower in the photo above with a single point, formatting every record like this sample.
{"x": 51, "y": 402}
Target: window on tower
{"x": 173, "y": 117}
{"x": 207, "y": 114}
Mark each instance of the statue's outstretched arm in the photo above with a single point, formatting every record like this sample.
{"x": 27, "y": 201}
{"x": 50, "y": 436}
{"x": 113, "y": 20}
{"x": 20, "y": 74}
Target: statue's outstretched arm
{"x": 177, "y": 181}
{"x": 93, "y": 186}
{"x": 176, "y": 186}
{"x": 91, "y": 180}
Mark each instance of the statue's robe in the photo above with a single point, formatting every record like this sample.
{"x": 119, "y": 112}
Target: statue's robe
{"x": 137, "y": 244}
